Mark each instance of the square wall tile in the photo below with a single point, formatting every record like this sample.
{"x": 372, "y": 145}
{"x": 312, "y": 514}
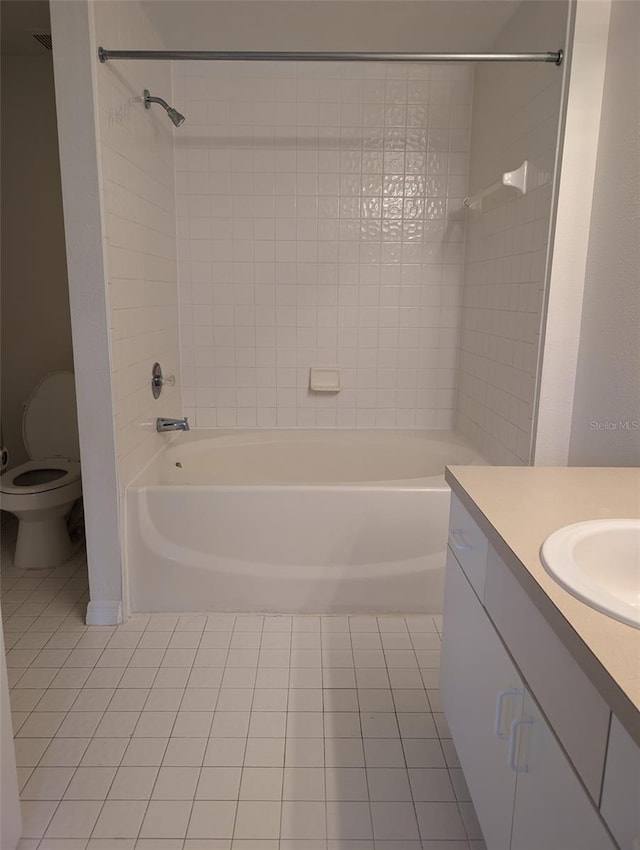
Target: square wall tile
{"x": 339, "y": 249}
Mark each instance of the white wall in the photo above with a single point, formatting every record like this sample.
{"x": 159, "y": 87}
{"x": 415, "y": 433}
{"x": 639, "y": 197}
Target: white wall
{"x": 74, "y": 66}
{"x": 516, "y": 111}
{"x": 10, "y": 815}
{"x": 606, "y": 410}
{"x": 36, "y": 327}
{"x": 320, "y": 223}
{"x": 568, "y": 255}
{"x": 363, "y": 25}
{"x": 120, "y": 231}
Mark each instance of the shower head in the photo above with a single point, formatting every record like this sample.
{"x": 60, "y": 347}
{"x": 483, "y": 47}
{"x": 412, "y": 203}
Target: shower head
{"x": 173, "y": 114}
{"x": 177, "y": 117}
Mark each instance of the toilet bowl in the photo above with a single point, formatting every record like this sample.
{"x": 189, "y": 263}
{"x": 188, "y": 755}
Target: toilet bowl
{"x": 41, "y": 492}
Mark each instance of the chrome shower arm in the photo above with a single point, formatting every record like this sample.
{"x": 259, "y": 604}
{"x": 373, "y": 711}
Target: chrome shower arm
{"x": 149, "y": 99}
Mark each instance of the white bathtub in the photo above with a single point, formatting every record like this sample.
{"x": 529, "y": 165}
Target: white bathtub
{"x": 293, "y": 521}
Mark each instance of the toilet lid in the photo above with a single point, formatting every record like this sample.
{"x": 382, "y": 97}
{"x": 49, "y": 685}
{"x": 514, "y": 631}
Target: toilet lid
{"x": 49, "y": 421}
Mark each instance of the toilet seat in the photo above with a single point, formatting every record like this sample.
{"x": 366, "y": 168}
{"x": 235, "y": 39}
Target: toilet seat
{"x": 42, "y": 491}
{"x": 71, "y": 469}
{"x": 50, "y": 433}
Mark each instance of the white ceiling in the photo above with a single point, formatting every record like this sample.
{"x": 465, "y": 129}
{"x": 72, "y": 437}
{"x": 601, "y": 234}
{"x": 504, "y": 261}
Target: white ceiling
{"x": 384, "y": 25}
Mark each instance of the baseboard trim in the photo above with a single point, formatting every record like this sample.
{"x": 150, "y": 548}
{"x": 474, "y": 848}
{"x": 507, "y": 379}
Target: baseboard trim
{"x": 106, "y": 613}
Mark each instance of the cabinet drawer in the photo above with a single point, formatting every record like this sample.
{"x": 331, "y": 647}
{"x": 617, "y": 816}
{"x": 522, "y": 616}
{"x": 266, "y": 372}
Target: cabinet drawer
{"x": 621, "y": 792}
{"x": 576, "y": 711}
{"x": 468, "y": 544}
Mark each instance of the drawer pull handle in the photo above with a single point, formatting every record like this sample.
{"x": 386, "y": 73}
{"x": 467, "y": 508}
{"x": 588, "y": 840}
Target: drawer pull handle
{"x": 459, "y": 543}
{"x": 512, "y": 692}
{"x": 514, "y": 739}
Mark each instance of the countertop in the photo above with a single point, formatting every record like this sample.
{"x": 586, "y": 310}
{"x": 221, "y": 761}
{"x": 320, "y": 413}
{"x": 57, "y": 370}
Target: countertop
{"x": 517, "y": 508}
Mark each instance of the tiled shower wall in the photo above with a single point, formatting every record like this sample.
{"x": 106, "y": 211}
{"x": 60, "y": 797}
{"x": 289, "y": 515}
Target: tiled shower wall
{"x": 516, "y": 112}
{"x": 320, "y": 223}
{"x": 136, "y": 151}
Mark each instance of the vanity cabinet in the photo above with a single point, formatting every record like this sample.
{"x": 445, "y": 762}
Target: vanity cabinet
{"x": 526, "y": 791}
{"x": 620, "y": 805}
{"x": 482, "y": 695}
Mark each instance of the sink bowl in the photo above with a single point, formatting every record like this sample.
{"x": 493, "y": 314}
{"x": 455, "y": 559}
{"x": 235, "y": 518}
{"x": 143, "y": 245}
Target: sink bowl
{"x": 599, "y": 562}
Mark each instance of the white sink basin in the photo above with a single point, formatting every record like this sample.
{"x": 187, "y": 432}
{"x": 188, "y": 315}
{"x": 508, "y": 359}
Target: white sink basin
{"x": 599, "y": 562}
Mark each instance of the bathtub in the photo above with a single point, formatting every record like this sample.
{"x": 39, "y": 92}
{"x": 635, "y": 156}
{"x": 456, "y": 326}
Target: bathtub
{"x": 292, "y": 521}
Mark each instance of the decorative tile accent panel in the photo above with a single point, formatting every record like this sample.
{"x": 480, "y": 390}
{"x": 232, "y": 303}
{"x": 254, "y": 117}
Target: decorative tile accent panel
{"x": 136, "y": 149}
{"x": 320, "y": 223}
{"x": 515, "y": 117}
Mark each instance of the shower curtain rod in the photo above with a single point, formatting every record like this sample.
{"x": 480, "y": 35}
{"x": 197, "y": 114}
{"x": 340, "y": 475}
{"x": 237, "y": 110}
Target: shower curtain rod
{"x": 294, "y": 56}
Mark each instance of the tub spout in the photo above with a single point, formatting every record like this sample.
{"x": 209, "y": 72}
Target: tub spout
{"x": 163, "y": 424}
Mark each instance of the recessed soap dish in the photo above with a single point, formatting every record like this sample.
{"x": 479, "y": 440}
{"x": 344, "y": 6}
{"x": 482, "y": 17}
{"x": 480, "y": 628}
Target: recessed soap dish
{"x": 325, "y": 379}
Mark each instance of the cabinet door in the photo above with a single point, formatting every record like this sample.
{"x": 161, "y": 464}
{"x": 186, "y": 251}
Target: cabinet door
{"x": 477, "y": 678}
{"x": 552, "y": 809}
{"x": 620, "y": 804}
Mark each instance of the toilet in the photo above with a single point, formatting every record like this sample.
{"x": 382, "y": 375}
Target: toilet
{"x": 41, "y": 492}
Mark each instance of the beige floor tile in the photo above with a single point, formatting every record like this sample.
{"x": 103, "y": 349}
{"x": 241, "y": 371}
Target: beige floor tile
{"x": 120, "y": 819}
{"x": 133, "y": 783}
{"x": 166, "y": 819}
{"x": 90, "y": 783}
{"x": 257, "y": 819}
{"x": 219, "y": 783}
{"x": 212, "y": 819}
{"x": 74, "y": 819}
{"x": 176, "y": 783}
{"x": 47, "y": 783}
{"x": 261, "y": 783}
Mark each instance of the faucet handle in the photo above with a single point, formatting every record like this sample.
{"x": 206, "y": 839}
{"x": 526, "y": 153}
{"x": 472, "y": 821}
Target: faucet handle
{"x": 158, "y": 380}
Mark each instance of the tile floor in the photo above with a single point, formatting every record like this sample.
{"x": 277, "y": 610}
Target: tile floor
{"x": 226, "y": 732}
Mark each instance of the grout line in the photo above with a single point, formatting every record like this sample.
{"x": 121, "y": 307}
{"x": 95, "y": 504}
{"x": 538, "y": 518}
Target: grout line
{"x": 242, "y": 766}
